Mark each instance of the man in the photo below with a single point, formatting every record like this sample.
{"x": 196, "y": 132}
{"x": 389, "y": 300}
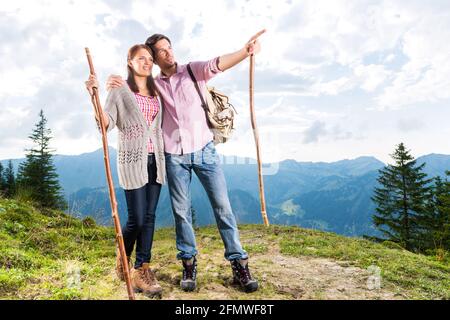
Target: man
{"x": 189, "y": 147}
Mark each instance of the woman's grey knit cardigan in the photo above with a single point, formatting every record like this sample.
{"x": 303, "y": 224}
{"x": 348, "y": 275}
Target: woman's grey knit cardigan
{"x": 123, "y": 111}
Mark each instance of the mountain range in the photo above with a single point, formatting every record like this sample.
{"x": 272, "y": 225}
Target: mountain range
{"x": 327, "y": 196}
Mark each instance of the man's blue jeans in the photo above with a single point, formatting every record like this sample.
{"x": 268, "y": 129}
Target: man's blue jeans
{"x": 206, "y": 165}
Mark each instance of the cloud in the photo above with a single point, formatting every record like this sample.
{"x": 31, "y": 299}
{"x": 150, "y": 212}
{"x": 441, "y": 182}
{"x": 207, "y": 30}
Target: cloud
{"x": 347, "y": 31}
{"x": 338, "y": 34}
{"x": 370, "y": 77}
{"x": 320, "y": 131}
{"x": 128, "y": 32}
{"x": 417, "y": 85}
{"x": 426, "y": 75}
{"x": 410, "y": 124}
{"x": 332, "y": 72}
{"x": 313, "y": 133}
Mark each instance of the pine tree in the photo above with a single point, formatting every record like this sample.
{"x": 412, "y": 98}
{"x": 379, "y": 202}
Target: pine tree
{"x": 38, "y": 174}
{"x": 2, "y": 181}
{"x": 402, "y": 198}
{"x": 10, "y": 180}
{"x": 444, "y": 207}
{"x": 436, "y": 224}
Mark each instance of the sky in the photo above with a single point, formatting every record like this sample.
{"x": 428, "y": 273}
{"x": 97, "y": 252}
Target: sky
{"x": 334, "y": 79}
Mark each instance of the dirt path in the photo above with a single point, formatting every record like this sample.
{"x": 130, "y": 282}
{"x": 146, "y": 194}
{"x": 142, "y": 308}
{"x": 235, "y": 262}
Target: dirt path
{"x": 281, "y": 277}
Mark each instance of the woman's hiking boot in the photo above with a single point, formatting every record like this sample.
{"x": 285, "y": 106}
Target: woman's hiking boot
{"x": 143, "y": 280}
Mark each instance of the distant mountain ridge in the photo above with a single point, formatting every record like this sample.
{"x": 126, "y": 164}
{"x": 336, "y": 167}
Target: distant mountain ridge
{"x": 328, "y": 196}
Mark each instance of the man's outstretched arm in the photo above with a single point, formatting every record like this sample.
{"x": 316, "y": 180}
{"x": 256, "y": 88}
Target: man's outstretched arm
{"x": 228, "y": 61}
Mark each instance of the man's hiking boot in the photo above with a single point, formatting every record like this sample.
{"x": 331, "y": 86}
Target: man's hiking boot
{"x": 188, "y": 283}
{"x": 242, "y": 276}
{"x": 143, "y": 280}
{"x": 119, "y": 267}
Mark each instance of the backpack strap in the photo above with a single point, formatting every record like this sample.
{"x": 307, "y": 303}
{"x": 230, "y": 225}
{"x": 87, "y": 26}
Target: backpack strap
{"x": 191, "y": 74}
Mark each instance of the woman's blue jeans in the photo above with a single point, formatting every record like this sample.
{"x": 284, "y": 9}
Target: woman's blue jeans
{"x": 140, "y": 226}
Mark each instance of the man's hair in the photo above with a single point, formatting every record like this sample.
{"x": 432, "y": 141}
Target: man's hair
{"x": 152, "y": 40}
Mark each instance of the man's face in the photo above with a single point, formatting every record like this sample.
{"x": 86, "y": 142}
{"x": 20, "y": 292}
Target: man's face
{"x": 163, "y": 54}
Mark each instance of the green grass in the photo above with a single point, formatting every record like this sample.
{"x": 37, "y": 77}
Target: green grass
{"x": 36, "y": 245}
{"x": 419, "y": 276}
{"x": 46, "y": 254}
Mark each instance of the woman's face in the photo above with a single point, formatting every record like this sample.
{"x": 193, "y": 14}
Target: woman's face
{"x": 142, "y": 63}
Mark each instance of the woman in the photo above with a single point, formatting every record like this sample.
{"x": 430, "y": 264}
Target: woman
{"x": 136, "y": 112}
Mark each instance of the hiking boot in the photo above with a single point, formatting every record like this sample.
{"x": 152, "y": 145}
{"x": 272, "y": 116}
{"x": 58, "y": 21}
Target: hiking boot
{"x": 143, "y": 280}
{"x": 188, "y": 283}
{"x": 119, "y": 267}
{"x": 242, "y": 276}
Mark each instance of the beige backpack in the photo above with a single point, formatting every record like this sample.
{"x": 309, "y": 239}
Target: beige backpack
{"x": 219, "y": 111}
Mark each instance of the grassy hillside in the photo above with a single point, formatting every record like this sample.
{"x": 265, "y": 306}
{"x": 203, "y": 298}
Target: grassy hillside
{"x": 46, "y": 254}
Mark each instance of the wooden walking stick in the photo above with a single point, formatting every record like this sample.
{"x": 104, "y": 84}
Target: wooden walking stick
{"x": 256, "y": 135}
{"x": 112, "y": 195}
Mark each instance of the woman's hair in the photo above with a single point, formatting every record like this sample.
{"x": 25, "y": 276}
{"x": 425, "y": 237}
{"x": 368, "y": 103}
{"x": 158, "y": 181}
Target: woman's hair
{"x": 130, "y": 80}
